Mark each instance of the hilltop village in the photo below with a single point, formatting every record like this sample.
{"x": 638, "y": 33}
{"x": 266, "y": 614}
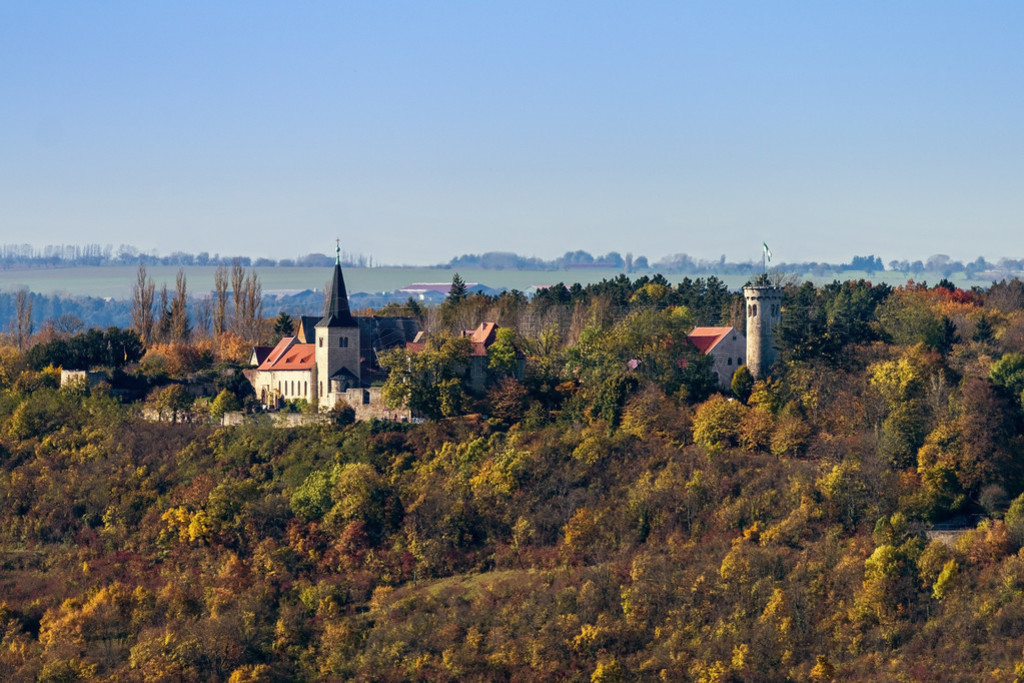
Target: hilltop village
{"x": 334, "y": 361}
{"x": 628, "y": 480}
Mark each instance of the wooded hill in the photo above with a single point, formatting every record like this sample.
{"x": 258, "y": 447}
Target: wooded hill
{"x": 589, "y": 522}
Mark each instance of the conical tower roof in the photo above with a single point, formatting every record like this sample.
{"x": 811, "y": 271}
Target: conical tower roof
{"x": 338, "y": 313}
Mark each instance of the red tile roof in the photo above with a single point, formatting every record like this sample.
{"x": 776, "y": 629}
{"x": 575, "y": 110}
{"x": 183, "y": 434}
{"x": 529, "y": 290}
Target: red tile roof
{"x": 707, "y": 338}
{"x": 290, "y": 355}
{"x": 479, "y": 339}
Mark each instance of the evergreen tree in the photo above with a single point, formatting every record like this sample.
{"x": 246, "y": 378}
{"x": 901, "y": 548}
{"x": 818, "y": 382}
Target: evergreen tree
{"x": 283, "y": 325}
{"x": 457, "y": 293}
{"x": 983, "y": 332}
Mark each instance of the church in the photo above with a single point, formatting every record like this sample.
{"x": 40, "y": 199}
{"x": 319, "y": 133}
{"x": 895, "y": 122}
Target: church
{"x": 331, "y": 359}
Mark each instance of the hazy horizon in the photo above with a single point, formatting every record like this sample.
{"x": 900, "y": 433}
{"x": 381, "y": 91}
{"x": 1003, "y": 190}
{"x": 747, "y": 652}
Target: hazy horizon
{"x": 418, "y": 132}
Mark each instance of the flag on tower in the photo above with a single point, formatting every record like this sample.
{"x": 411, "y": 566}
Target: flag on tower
{"x": 767, "y": 251}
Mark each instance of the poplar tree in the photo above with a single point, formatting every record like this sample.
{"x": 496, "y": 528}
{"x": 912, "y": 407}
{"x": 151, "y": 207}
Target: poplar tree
{"x": 21, "y": 324}
{"x": 181, "y": 327}
{"x": 143, "y": 297}
{"x": 220, "y": 289}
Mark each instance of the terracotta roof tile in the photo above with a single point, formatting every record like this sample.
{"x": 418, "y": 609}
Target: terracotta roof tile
{"x": 707, "y": 338}
{"x": 290, "y": 355}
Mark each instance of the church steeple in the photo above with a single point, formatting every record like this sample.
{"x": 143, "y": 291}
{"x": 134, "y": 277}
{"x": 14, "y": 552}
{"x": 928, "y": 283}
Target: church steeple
{"x": 338, "y": 313}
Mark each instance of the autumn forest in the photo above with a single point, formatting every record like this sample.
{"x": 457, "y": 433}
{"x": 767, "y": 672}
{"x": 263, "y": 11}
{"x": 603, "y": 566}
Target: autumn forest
{"x": 607, "y": 514}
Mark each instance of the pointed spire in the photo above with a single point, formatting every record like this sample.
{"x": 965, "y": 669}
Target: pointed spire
{"x": 338, "y": 313}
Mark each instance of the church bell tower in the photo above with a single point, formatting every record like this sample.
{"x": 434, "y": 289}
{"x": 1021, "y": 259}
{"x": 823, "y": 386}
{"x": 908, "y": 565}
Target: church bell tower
{"x": 337, "y": 344}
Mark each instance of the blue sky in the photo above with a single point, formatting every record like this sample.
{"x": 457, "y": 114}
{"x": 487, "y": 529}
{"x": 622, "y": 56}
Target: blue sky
{"x": 418, "y": 131}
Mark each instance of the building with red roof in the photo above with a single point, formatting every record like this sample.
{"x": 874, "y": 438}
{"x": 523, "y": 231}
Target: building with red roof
{"x": 330, "y": 359}
{"x": 480, "y": 339}
{"x": 287, "y": 373}
{"x": 726, "y": 346}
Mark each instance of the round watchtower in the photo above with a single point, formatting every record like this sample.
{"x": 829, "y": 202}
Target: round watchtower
{"x": 764, "y": 312}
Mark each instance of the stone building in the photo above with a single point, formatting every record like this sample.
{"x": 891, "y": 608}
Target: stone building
{"x": 330, "y": 359}
{"x": 764, "y": 313}
{"x": 727, "y": 348}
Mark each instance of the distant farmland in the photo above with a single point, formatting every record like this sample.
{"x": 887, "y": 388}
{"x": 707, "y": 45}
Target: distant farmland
{"x": 116, "y": 281}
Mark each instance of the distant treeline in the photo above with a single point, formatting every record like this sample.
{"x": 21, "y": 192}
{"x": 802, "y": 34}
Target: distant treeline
{"x": 73, "y": 314}
{"x": 127, "y": 255}
{"x": 12, "y": 255}
{"x": 67, "y": 314}
{"x": 503, "y": 260}
{"x": 683, "y": 263}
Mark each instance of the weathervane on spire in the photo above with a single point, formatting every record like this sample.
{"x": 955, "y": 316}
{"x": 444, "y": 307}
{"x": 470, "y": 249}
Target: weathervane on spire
{"x": 337, "y": 257}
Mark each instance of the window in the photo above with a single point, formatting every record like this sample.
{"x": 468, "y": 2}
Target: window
{"x": 321, "y": 340}
{"x": 739, "y": 361}
{"x": 729, "y": 361}
{"x": 321, "y": 389}
{"x": 755, "y": 310}
{"x": 343, "y": 342}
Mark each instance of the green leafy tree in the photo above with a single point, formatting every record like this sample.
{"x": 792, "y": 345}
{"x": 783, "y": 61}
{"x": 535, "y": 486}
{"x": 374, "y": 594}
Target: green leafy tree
{"x": 946, "y": 581}
{"x": 910, "y": 317}
{"x": 225, "y": 402}
{"x": 502, "y": 355}
{"x": 312, "y": 499}
{"x": 716, "y": 423}
{"x": 431, "y": 381}
{"x": 1008, "y": 373}
{"x": 1014, "y": 521}
{"x": 976, "y": 448}
{"x": 173, "y": 401}
{"x": 361, "y": 494}
{"x": 742, "y": 383}
{"x": 113, "y": 348}
{"x": 902, "y": 385}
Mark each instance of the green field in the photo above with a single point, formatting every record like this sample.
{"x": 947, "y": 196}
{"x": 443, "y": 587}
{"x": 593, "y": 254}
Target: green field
{"x": 116, "y": 281}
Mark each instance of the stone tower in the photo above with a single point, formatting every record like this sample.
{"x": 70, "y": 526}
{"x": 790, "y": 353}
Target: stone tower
{"x": 764, "y": 312}
{"x": 337, "y": 344}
